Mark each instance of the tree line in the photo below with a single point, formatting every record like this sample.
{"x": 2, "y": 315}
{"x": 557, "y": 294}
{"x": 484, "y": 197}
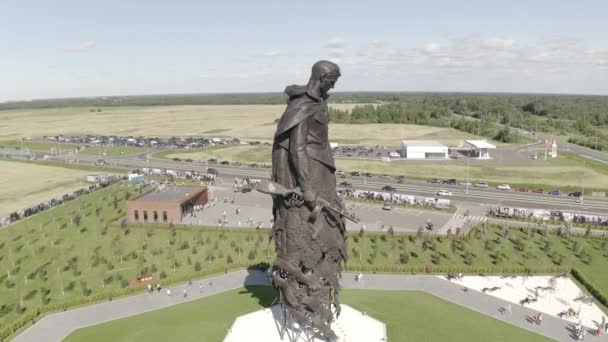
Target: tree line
{"x": 584, "y": 119}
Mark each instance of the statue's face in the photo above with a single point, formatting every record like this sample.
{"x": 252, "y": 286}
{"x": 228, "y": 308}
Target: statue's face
{"x": 328, "y": 82}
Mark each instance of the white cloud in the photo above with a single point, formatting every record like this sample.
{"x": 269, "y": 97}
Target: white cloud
{"x": 497, "y": 43}
{"x": 81, "y": 47}
{"x": 378, "y": 42}
{"x": 336, "y": 53}
{"x": 431, "y": 47}
{"x": 335, "y": 43}
{"x": 203, "y": 76}
{"x": 273, "y": 53}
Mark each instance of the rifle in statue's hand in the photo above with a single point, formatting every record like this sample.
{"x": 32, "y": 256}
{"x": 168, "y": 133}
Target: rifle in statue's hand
{"x": 295, "y": 198}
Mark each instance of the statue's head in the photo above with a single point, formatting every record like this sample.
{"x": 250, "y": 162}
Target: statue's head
{"x": 323, "y": 77}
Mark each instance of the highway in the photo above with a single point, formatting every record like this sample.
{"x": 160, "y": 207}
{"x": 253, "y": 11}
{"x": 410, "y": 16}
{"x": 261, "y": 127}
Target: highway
{"x": 473, "y": 197}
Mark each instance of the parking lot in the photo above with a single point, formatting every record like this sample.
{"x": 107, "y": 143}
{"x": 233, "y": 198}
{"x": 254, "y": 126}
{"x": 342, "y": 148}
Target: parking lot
{"x": 255, "y": 210}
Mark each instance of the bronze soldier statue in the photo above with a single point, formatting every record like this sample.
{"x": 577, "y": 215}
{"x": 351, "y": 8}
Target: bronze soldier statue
{"x": 310, "y": 240}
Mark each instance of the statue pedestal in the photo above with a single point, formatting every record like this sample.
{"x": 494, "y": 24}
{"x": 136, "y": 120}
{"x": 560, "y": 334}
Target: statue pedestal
{"x": 266, "y": 325}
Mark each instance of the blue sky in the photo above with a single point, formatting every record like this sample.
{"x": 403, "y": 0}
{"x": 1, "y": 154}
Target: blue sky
{"x": 95, "y": 48}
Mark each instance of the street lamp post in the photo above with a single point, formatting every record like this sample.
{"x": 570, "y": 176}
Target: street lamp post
{"x": 467, "y": 189}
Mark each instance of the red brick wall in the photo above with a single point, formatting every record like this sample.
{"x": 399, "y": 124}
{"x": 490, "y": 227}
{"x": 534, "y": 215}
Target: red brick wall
{"x": 173, "y": 210}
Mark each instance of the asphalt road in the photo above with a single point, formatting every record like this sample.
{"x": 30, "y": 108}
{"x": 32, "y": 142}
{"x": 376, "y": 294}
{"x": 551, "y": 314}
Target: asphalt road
{"x": 471, "y": 196}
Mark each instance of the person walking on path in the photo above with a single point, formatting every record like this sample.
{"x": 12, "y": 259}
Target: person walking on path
{"x": 169, "y": 292}
{"x": 200, "y": 287}
{"x": 158, "y": 287}
{"x": 185, "y": 293}
{"x": 508, "y": 310}
{"x": 150, "y": 288}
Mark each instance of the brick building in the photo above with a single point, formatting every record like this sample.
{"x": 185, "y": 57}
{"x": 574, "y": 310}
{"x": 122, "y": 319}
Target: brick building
{"x": 168, "y": 205}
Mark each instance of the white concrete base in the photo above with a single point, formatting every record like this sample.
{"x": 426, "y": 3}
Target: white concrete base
{"x": 550, "y": 302}
{"x": 265, "y": 326}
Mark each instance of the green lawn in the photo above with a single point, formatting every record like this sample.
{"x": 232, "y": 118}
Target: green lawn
{"x": 246, "y": 154}
{"x": 114, "y": 151}
{"x": 568, "y": 172}
{"x": 75, "y": 253}
{"x": 82, "y": 167}
{"x": 37, "y": 145}
{"x": 409, "y": 315}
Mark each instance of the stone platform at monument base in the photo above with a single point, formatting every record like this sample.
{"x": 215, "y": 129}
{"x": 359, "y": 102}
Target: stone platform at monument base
{"x": 266, "y": 326}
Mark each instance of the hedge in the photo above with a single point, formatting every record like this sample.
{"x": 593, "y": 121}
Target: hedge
{"x": 590, "y": 287}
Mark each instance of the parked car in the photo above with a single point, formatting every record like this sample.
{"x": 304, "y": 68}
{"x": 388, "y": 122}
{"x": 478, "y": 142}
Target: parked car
{"x": 369, "y": 174}
{"x": 246, "y": 190}
{"x": 236, "y": 163}
{"x": 225, "y": 162}
{"x": 451, "y": 181}
{"x": 387, "y": 206}
{"x": 435, "y": 181}
{"x": 465, "y": 183}
{"x": 189, "y": 160}
{"x": 339, "y": 173}
{"x": 345, "y": 185}
{"x": 389, "y": 188}
{"x": 576, "y": 194}
{"x": 212, "y": 161}
{"x": 539, "y": 191}
{"x": 386, "y": 176}
{"x": 534, "y": 157}
{"x": 253, "y": 165}
{"x": 522, "y": 190}
{"x": 481, "y": 185}
{"x": 504, "y": 187}
{"x": 355, "y": 173}
{"x": 444, "y": 193}
{"x": 176, "y": 159}
{"x": 212, "y": 171}
{"x": 555, "y": 192}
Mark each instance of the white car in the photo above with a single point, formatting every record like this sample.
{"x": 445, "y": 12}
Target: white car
{"x": 504, "y": 187}
{"x": 481, "y": 185}
{"x": 444, "y": 193}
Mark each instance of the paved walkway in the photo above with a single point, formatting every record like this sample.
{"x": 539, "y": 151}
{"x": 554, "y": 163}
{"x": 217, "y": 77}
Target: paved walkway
{"x": 57, "y": 326}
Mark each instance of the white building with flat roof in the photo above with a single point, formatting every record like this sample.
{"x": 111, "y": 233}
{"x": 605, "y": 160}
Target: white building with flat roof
{"x": 481, "y": 148}
{"x": 423, "y": 150}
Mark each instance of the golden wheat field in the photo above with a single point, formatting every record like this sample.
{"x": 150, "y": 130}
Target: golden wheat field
{"x": 26, "y": 184}
{"x": 238, "y": 121}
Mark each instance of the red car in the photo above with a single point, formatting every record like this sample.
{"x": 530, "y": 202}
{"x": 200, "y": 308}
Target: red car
{"x": 539, "y": 191}
{"x": 522, "y": 190}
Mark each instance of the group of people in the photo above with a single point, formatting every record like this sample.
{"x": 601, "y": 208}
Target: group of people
{"x": 21, "y": 214}
{"x": 456, "y": 276}
{"x": 151, "y": 289}
{"x": 185, "y": 290}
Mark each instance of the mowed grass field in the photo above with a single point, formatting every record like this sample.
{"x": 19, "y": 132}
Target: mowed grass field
{"x": 25, "y": 184}
{"x": 114, "y": 151}
{"x": 567, "y": 172}
{"x": 36, "y": 145}
{"x": 252, "y": 122}
{"x": 409, "y": 315}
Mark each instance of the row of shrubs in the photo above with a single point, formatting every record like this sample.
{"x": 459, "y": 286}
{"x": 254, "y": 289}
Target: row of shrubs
{"x": 552, "y": 222}
{"x": 432, "y": 268}
{"x": 590, "y": 287}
